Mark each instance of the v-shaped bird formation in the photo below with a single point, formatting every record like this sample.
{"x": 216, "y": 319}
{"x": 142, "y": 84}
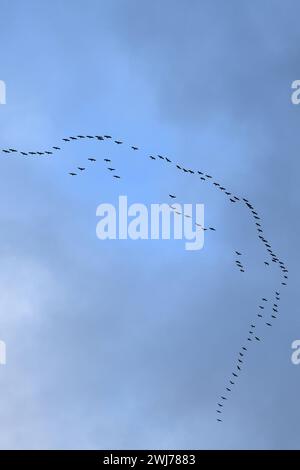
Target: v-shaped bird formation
{"x": 267, "y": 308}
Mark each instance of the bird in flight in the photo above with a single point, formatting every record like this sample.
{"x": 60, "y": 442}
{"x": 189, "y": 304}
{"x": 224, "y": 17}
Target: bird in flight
{"x": 92, "y": 159}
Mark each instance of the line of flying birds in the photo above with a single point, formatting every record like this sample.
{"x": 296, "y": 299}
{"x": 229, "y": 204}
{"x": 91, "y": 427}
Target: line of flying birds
{"x": 252, "y": 336}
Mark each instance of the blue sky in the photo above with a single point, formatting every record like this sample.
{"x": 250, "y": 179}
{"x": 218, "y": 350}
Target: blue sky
{"x": 123, "y": 344}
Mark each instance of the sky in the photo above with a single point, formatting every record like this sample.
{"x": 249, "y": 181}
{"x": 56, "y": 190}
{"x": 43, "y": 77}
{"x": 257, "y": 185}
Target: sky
{"x": 123, "y": 344}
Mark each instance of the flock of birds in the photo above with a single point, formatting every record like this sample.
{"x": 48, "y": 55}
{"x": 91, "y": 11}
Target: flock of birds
{"x": 271, "y": 257}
